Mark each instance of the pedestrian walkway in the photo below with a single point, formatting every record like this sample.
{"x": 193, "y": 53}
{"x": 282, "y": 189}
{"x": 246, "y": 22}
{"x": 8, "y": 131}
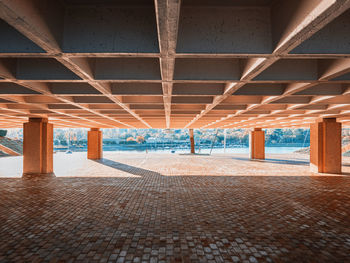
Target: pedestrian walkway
{"x": 139, "y": 208}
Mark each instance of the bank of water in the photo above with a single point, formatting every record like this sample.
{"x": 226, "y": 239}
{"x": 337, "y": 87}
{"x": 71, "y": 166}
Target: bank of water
{"x": 240, "y": 150}
{"x": 245, "y": 150}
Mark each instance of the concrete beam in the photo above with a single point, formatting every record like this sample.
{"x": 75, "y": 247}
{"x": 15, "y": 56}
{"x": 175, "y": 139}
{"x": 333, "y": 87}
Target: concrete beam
{"x": 38, "y": 20}
{"x": 296, "y": 21}
{"x": 290, "y": 34}
{"x": 332, "y": 38}
{"x": 46, "y": 29}
{"x": 167, "y": 16}
{"x": 234, "y": 64}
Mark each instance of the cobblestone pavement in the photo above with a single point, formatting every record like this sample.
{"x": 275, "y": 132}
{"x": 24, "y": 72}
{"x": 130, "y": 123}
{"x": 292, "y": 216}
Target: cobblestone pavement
{"x": 125, "y": 211}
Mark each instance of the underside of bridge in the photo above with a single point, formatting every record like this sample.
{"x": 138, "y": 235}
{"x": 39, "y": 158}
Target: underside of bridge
{"x": 191, "y": 64}
{"x": 174, "y": 64}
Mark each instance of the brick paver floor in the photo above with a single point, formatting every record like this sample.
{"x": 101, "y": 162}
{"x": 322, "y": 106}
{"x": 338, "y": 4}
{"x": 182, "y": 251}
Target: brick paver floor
{"x": 172, "y": 208}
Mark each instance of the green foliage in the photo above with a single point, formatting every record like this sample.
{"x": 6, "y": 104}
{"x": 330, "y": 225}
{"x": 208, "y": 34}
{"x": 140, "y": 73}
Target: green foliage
{"x": 3, "y": 133}
{"x": 204, "y": 136}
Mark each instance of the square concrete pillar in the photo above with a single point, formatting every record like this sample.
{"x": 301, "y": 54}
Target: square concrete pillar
{"x": 325, "y": 146}
{"x": 192, "y": 141}
{"x": 37, "y": 147}
{"x": 95, "y": 151}
{"x": 257, "y": 144}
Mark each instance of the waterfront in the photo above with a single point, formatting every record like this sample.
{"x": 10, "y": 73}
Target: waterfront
{"x": 206, "y": 150}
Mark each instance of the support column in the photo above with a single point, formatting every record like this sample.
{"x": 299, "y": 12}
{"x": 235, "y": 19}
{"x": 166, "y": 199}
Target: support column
{"x": 325, "y": 146}
{"x": 37, "y": 147}
{"x": 257, "y": 144}
{"x": 192, "y": 141}
{"x": 95, "y": 151}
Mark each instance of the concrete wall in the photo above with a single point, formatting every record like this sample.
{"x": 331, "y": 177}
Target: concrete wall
{"x": 291, "y": 69}
{"x": 127, "y": 68}
{"x": 15, "y": 41}
{"x": 43, "y": 68}
{"x": 206, "y": 69}
{"x": 113, "y": 29}
{"x": 72, "y": 88}
{"x": 334, "y": 38}
{"x": 137, "y": 88}
{"x": 198, "y": 89}
{"x": 12, "y": 88}
{"x": 287, "y": 15}
{"x": 261, "y": 89}
{"x": 224, "y": 30}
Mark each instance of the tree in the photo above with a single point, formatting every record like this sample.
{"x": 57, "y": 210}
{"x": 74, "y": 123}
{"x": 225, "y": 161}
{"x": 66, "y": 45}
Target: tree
{"x": 140, "y": 139}
{"x": 3, "y": 133}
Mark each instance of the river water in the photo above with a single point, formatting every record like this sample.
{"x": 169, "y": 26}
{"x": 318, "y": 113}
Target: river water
{"x": 239, "y": 150}
{"x": 244, "y": 150}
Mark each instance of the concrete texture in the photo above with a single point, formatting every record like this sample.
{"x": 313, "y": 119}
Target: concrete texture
{"x": 95, "y": 144}
{"x": 325, "y": 146}
{"x": 192, "y": 141}
{"x": 322, "y": 43}
{"x": 174, "y": 64}
{"x": 37, "y": 147}
{"x": 153, "y": 208}
{"x": 110, "y": 30}
{"x": 224, "y": 30}
{"x": 257, "y": 144}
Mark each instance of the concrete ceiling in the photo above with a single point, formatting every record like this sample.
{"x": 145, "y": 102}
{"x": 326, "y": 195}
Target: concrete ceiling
{"x": 174, "y": 64}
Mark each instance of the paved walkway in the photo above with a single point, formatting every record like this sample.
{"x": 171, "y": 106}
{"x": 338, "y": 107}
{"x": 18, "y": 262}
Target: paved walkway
{"x": 153, "y": 208}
